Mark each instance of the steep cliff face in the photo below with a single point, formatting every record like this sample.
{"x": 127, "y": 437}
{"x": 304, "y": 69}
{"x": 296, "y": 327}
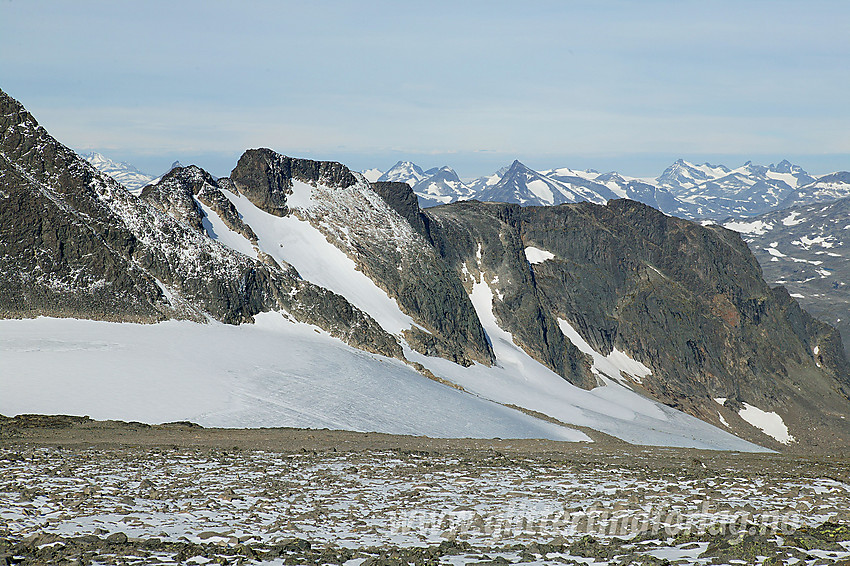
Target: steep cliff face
{"x": 687, "y": 301}
{"x": 62, "y": 253}
{"x": 482, "y": 241}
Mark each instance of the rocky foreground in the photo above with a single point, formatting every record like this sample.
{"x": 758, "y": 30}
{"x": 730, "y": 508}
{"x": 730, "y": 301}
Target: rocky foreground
{"x": 79, "y": 491}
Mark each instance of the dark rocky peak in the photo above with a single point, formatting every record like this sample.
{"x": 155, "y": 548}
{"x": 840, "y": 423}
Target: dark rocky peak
{"x": 756, "y": 170}
{"x": 518, "y": 173}
{"x": 265, "y": 177}
{"x": 785, "y": 166}
{"x": 174, "y": 194}
{"x": 12, "y": 113}
{"x": 192, "y": 176}
{"x": 180, "y": 192}
{"x": 517, "y": 165}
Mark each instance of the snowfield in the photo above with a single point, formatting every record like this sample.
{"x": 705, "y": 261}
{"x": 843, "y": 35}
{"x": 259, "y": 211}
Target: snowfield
{"x": 271, "y": 374}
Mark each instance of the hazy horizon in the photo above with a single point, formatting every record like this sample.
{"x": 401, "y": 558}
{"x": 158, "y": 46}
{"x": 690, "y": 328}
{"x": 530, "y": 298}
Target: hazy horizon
{"x": 609, "y": 85}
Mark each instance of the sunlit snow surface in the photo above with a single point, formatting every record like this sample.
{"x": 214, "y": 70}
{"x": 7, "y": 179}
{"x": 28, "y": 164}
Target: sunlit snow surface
{"x": 298, "y": 243}
{"x": 273, "y": 373}
{"x": 768, "y": 422}
{"x": 536, "y": 255}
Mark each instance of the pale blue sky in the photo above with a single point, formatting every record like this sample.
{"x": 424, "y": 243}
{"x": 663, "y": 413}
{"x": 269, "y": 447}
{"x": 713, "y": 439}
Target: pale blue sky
{"x": 629, "y": 86}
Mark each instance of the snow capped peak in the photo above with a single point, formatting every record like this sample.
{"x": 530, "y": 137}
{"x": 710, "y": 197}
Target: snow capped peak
{"x": 441, "y": 186}
{"x": 372, "y": 175}
{"x": 131, "y": 178}
{"x": 404, "y": 172}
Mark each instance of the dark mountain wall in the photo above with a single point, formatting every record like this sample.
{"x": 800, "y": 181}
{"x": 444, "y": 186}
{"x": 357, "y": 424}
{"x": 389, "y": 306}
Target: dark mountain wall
{"x": 687, "y": 301}
{"x": 62, "y": 253}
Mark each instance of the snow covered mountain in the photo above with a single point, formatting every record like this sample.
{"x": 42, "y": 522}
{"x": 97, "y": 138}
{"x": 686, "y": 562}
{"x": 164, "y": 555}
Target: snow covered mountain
{"x": 524, "y": 186}
{"x": 824, "y": 189}
{"x": 441, "y": 186}
{"x": 684, "y": 189}
{"x": 403, "y": 172}
{"x": 717, "y": 192}
{"x": 132, "y": 179}
{"x": 372, "y": 175}
{"x": 371, "y": 314}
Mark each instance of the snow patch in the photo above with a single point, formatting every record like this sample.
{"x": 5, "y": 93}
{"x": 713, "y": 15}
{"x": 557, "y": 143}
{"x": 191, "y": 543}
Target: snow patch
{"x": 536, "y": 255}
{"x": 541, "y": 190}
{"x": 791, "y": 219}
{"x": 218, "y": 230}
{"x": 757, "y": 227}
{"x": 613, "y": 364}
{"x": 298, "y": 243}
{"x": 769, "y": 423}
{"x": 519, "y": 379}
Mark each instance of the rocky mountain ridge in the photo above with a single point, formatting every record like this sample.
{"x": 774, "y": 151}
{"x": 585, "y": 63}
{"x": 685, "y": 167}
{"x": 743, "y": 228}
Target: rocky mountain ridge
{"x": 618, "y": 301}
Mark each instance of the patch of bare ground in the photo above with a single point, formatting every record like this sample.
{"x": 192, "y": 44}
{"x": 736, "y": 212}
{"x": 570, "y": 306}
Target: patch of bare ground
{"x": 74, "y": 490}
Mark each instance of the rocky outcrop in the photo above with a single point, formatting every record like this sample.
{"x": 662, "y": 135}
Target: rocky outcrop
{"x": 687, "y": 300}
{"x": 402, "y": 199}
{"x": 176, "y": 192}
{"x": 379, "y": 232}
{"x": 482, "y": 242}
{"x": 61, "y": 251}
{"x": 265, "y": 177}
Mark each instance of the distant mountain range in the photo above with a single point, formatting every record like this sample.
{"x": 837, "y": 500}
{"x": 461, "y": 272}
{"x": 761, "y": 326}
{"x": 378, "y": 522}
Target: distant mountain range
{"x": 124, "y": 173}
{"x": 131, "y": 178}
{"x": 806, "y": 249}
{"x": 684, "y": 189}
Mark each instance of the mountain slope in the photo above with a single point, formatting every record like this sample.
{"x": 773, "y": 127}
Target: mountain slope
{"x": 441, "y": 186}
{"x": 685, "y": 301}
{"x": 524, "y": 186}
{"x": 77, "y": 244}
{"x": 403, "y": 172}
{"x": 824, "y": 189}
